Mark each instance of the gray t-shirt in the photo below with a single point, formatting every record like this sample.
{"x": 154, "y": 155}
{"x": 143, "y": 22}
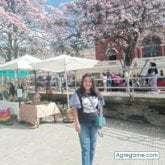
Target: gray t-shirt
{"x": 90, "y": 103}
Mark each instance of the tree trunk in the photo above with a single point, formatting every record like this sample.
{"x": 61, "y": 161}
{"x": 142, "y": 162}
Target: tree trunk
{"x": 128, "y": 60}
{"x": 15, "y": 50}
{"x": 9, "y": 48}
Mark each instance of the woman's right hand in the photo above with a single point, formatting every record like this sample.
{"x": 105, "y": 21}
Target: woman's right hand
{"x": 78, "y": 127}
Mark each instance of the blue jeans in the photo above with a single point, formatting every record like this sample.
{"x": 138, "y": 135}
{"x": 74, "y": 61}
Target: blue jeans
{"x": 88, "y": 137}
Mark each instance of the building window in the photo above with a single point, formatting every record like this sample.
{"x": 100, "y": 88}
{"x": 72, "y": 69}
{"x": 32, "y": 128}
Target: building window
{"x": 152, "y": 46}
{"x": 111, "y": 54}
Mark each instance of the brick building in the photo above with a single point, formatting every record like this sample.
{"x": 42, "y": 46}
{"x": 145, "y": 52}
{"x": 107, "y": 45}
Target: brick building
{"x": 149, "y": 46}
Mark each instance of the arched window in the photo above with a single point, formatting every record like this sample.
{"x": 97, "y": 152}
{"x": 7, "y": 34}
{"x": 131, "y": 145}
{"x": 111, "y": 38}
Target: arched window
{"x": 152, "y": 46}
{"x": 111, "y": 54}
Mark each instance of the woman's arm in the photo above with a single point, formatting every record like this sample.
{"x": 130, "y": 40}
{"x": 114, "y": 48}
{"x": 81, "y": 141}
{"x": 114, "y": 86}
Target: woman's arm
{"x": 101, "y": 112}
{"x": 75, "y": 116}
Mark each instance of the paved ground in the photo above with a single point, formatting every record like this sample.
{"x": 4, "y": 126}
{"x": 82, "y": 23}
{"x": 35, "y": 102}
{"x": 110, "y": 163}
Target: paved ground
{"x": 57, "y": 143}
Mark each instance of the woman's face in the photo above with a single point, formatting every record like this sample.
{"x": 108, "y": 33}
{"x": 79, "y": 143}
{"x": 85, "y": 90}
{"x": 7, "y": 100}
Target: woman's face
{"x": 87, "y": 84}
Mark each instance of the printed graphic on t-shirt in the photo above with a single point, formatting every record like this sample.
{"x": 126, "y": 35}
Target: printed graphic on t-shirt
{"x": 89, "y": 104}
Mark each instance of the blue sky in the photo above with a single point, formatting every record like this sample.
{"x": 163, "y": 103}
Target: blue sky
{"x": 57, "y": 3}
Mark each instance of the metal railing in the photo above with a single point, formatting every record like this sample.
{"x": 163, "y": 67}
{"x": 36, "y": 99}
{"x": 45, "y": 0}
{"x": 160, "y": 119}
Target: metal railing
{"x": 121, "y": 84}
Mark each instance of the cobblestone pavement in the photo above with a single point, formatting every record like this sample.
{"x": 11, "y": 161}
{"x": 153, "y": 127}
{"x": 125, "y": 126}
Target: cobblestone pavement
{"x": 58, "y": 144}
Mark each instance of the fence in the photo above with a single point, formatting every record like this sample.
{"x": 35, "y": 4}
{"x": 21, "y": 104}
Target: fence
{"x": 116, "y": 84}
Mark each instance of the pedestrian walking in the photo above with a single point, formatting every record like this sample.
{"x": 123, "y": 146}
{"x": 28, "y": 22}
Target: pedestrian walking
{"x": 87, "y": 103}
{"x": 153, "y": 76}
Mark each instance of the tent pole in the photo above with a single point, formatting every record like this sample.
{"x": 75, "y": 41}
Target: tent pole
{"x": 67, "y": 92}
{"x": 19, "y": 86}
{"x": 75, "y": 80}
{"x": 35, "y": 83}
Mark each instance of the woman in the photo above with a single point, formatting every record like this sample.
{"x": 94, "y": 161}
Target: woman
{"x": 153, "y": 74}
{"x": 87, "y": 104}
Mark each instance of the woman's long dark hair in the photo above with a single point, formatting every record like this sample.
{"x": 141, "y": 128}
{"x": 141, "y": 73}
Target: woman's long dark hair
{"x": 93, "y": 91}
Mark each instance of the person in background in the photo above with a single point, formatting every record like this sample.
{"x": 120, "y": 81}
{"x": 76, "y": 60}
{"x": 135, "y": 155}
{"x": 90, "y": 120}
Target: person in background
{"x": 109, "y": 81}
{"x": 12, "y": 91}
{"x": 48, "y": 80}
{"x": 153, "y": 76}
{"x": 2, "y": 90}
{"x": 104, "y": 81}
{"x": 161, "y": 73}
{"x": 86, "y": 104}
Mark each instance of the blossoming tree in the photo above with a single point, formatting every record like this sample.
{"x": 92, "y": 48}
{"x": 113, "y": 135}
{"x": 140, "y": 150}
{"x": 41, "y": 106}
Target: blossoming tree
{"x": 73, "y": 19}
{"x": 24, "y": 27}
{"x": 122, "y": 21}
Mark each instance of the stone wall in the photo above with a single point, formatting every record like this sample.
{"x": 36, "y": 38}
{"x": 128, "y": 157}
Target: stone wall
{"x": 153, "y": 114}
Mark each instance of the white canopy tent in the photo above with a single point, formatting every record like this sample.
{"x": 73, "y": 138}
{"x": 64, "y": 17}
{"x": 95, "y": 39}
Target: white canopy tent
{"x": 21, "y": 63}
{"x": 64, "y": 63}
